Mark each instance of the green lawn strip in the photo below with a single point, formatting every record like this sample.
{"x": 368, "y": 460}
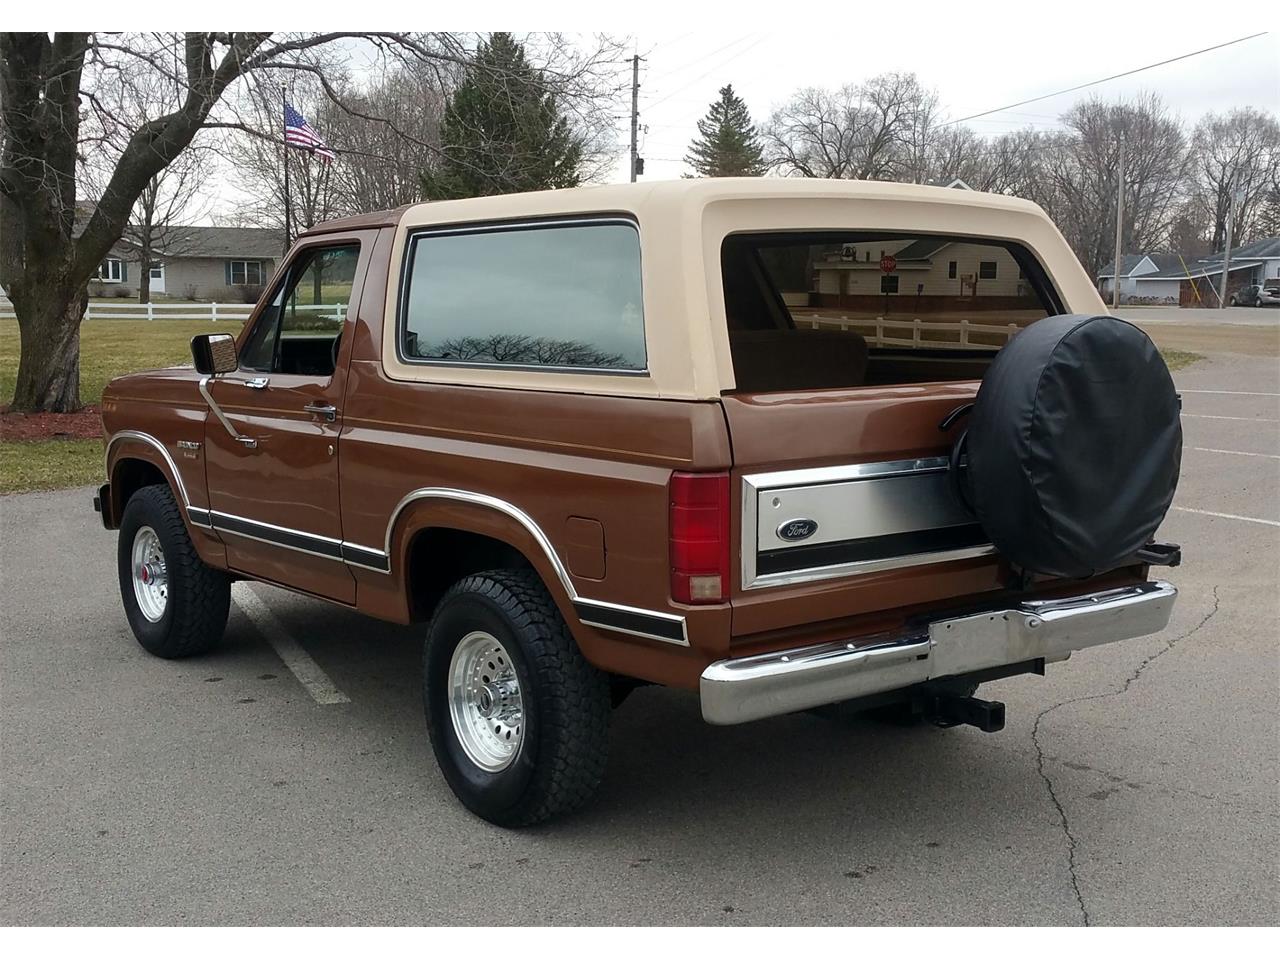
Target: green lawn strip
{"x": 109, "y": 348}
{"x": 1177, "y": 359}
{"x": 49, "y": 464}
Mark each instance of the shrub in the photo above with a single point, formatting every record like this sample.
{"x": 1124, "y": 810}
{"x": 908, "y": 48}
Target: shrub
{"x": 122, "y": 292}
{"x": 248, "y": 292}
{"x": 189, "y": 292}
{"x": 95, "y": 289}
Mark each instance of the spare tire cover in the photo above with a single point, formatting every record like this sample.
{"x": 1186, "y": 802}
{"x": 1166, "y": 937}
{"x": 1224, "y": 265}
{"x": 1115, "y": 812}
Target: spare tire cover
{"x": 1074, "y": 445}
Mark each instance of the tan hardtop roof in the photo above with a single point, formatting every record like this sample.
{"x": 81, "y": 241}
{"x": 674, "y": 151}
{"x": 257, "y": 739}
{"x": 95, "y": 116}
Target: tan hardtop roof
{"x": 636, "y": 198}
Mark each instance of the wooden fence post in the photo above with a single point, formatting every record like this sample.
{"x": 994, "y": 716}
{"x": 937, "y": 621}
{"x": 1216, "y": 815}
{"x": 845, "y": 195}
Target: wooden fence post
{"x": 213, "y": 312}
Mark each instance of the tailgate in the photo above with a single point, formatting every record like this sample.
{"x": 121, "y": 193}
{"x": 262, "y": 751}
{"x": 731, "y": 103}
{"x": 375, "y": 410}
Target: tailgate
{"x": 847, "y": 517}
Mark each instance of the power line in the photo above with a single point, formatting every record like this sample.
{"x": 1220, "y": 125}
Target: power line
{"x": 692, "y": 63}
{"x": 1117, "y": 76}
{"x": 720, "y": 66}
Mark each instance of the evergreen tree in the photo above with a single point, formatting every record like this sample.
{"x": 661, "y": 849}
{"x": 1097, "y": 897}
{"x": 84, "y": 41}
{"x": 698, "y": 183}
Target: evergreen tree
{"x": 728, "y": 144}
{"x": 502, "y": 132}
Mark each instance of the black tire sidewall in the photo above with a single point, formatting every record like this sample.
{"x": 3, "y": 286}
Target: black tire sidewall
{"x": 141, "y": 512}
{"x": 495, "y": 796}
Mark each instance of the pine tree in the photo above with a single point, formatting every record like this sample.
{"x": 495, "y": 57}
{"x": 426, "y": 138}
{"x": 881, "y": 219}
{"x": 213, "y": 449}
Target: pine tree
{"x": 502, "y": 132}
{"x": 728, "y": 144}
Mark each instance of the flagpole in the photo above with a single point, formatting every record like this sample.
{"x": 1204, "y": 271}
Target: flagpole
{"x": 288, "y": 238}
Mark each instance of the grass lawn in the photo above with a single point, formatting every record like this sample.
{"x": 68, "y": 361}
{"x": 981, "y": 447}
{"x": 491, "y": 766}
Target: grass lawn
{"x": 109, "y": 348}
{"x": 1177, "y": 359}
{"x": 49, "y": 464}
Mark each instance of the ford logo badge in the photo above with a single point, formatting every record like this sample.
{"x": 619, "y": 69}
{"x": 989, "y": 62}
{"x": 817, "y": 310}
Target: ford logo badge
{"x": 795, "y": 530}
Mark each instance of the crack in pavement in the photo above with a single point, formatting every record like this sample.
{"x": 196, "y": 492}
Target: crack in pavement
{"x": 1040, "y": 756}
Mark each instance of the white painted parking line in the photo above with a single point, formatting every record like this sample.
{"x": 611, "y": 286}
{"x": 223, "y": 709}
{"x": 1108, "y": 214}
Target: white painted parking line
{"x": 1229, "y": 516}
{"x": 1208, "y": 416}
{"x": 1233, "y": 393}
{"x": 1238, "y": 453}
{"x": 299, "y": 662}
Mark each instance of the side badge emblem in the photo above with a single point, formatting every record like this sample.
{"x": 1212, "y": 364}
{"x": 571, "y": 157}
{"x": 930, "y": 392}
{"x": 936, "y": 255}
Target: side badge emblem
{"x": 794, "y": 531}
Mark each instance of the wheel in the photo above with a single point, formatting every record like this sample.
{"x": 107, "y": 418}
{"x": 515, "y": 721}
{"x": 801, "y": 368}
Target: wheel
{"x": 175, "y": 603}
{"x": 518, "y": 719}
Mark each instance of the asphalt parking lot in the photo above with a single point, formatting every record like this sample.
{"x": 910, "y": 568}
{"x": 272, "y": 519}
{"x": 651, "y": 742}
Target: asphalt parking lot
{"x": 1135, "y": 784}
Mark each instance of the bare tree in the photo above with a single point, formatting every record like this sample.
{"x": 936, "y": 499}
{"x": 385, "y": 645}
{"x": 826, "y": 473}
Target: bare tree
{"x": 257, "y": 154}
{"x": 877, "y": 130}
{"x": 1082, "y": 169}
{"x": 49, "y": 83}
{"x": 1237, "y": 151}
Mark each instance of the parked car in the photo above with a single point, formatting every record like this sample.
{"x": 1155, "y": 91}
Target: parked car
{"x": 667, "y": 434}
{"x": 1256, "y": 296}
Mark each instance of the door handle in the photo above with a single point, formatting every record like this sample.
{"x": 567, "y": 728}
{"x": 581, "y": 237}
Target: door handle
{"x": 326, "y": 410}
{"x": 257, "y": 383}
{"x": 247, "y": 441}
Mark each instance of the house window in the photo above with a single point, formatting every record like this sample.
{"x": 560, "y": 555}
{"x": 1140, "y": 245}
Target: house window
{"x": 889, "y": 283}
{"x": 951, "y": 270}
{"x": 246, "y": 273}
{"x": 111, "y": 270}
{"x": 986, "y": 270}
{"x": 157, "y": 271}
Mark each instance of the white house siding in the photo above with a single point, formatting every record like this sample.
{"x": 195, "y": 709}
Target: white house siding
{"x": 863, "y": 276}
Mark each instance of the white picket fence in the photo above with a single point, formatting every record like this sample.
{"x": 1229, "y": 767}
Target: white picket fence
{"x": 915, "y": 330}
{"x": 210, "y": 312}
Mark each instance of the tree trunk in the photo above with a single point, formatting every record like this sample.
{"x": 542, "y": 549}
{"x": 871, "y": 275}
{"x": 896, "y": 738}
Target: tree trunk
{"x": 49, "y": 359}
{"x": 144, "y": 278}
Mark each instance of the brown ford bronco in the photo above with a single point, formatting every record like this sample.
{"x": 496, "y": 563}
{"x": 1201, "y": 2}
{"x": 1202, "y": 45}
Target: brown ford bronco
{"x": 787, "y": 444}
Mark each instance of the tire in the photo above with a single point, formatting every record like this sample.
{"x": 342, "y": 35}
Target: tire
{"x": 1074, "y": 446}
{"x": 547, "y": 752}
{"x": 178, "y": 606}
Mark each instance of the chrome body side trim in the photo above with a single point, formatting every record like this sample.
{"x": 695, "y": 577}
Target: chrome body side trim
{"x": 602, "y": 614}
{"x": 878, "y": 508}
{"x": 650, "y": 624}
{"x": 770, "y": 684}
{"x": 150, "y": 441}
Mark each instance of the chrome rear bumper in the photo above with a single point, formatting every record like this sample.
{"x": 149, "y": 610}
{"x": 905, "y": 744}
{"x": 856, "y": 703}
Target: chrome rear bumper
{"x": 769, "y": 684}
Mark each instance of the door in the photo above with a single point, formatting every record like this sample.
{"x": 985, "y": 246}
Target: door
{"x": 272, "y": 439}
{"x": 157, "y": 278}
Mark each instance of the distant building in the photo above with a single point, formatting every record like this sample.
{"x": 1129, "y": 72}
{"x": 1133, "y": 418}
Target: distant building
{"x": 1192, "y": 282}
{"x": 228, "y": 264}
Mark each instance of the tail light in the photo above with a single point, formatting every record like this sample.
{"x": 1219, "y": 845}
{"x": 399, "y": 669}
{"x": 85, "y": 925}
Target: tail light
{"x": 699, "y": 537}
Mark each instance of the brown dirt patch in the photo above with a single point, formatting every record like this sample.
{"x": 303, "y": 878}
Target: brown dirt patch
{"x": 84, "y": 424}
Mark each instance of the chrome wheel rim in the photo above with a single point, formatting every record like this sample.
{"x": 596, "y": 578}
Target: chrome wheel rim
{"x": 485, "y": 702}
{"x": 150, "y": 575}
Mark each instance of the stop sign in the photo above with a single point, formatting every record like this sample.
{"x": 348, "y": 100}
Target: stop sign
{"x": 888, "y": 264}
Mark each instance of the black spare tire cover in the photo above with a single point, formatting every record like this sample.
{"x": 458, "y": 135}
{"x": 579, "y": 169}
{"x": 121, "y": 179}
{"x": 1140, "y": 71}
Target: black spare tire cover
{"x": 1074, "y": 445}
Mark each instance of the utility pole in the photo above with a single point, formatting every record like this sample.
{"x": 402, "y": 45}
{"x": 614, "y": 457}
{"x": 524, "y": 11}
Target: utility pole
{"x": 1226, "y": 250}
{"x": 1115, "y": 277}
{"x": 635, "y": 113}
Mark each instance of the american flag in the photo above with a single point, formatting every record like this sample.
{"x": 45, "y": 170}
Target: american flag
{"x": 299, "y": 133}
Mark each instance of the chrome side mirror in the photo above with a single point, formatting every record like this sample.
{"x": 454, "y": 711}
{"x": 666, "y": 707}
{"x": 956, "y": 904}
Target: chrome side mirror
{"x": 214, "y": 353}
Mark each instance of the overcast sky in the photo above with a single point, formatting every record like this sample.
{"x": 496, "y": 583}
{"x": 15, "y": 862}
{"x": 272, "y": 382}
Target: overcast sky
{"x": 992, "y": 60}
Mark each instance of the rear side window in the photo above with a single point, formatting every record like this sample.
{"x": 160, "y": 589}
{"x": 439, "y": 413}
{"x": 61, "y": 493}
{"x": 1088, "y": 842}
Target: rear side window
{"x": 551, "y": 296}
{"x": 842, "y": 309}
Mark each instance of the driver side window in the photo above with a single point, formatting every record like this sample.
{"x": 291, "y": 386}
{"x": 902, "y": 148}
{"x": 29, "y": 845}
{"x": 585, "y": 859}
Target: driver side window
{"x": 298, "y": 331}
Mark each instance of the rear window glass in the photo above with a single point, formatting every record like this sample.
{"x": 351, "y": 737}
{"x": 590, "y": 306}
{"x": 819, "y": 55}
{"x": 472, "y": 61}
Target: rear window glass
{"x": 562, "y": 296}
{"x": 840, "y": 309}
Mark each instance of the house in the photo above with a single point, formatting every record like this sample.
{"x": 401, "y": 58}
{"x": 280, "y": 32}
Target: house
{"x": 229, "y": 264}
{"x": 1144, "y": 278}
{"x": 936, "y": 273}
{"x": 1188, "y": 282}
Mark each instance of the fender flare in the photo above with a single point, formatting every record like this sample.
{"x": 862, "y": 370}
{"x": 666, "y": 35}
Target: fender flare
{"x": 536, "y": 547}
